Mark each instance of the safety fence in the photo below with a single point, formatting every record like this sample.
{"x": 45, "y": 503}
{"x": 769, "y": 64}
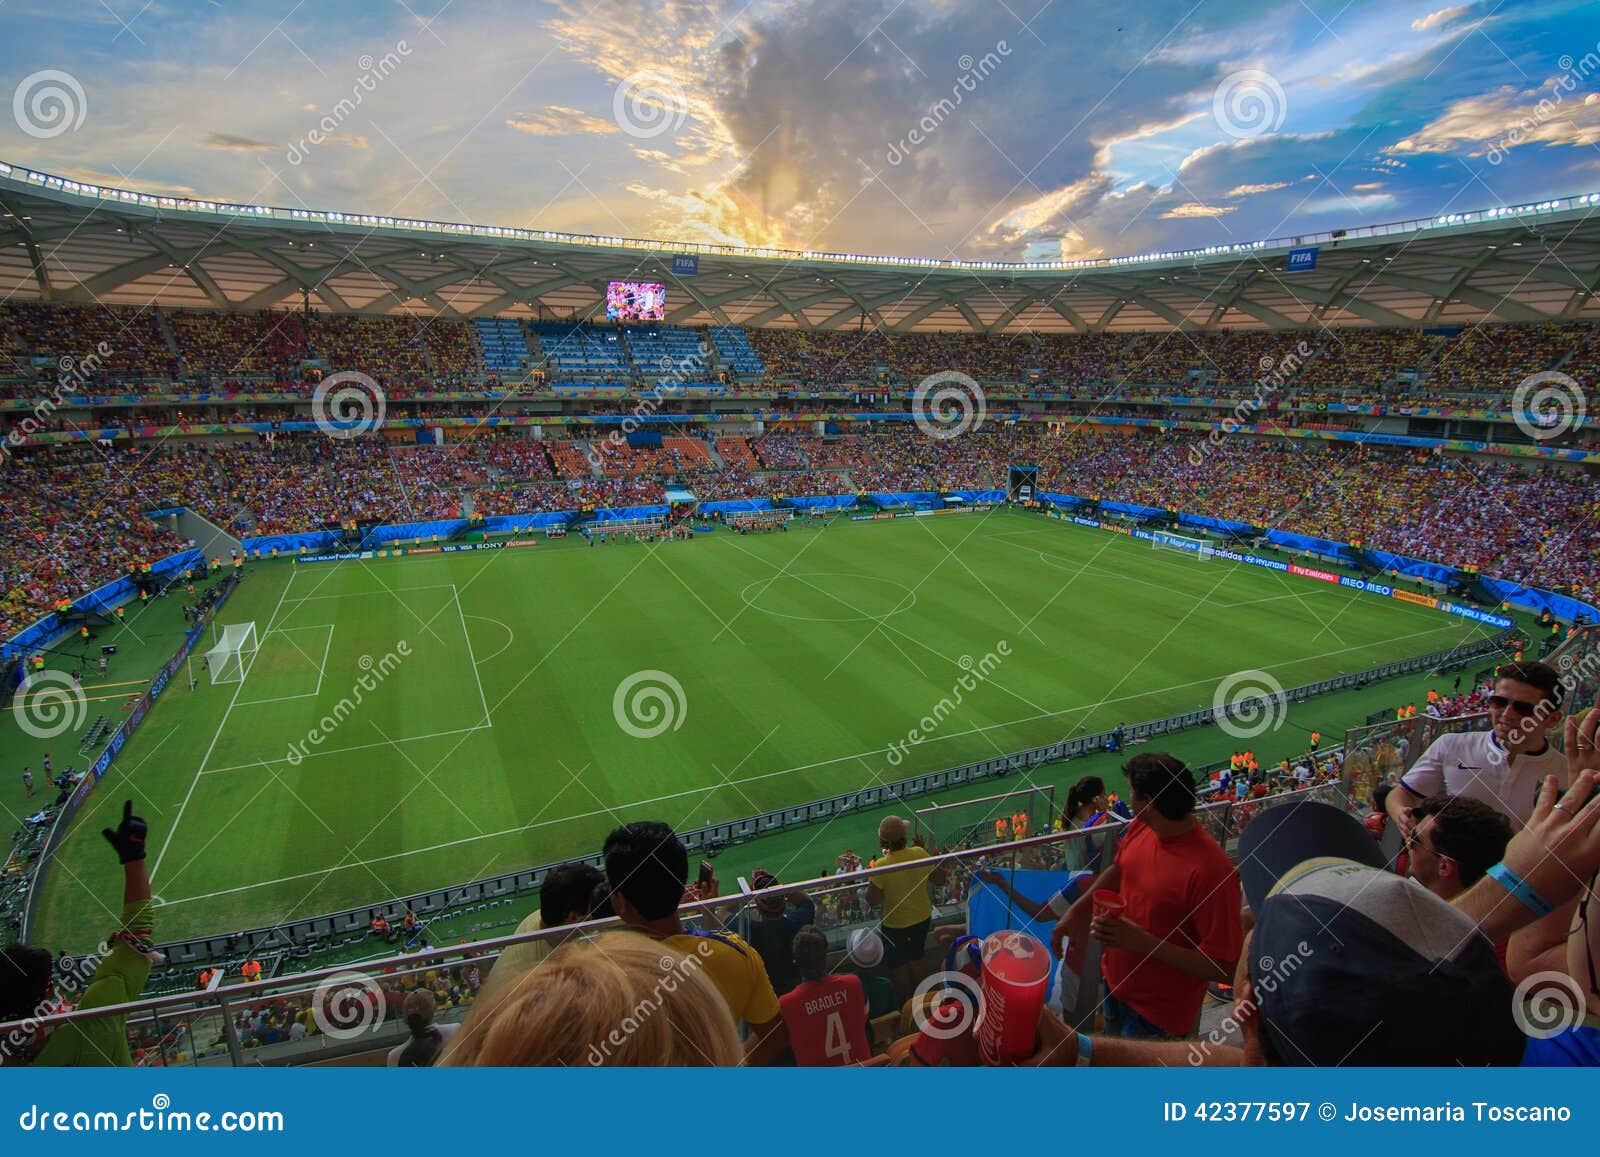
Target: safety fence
{"x": 311, "y": 934}
{"x": 355, "y": 1008}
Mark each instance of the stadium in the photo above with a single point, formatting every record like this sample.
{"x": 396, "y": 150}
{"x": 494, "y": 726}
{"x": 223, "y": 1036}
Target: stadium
{"x": 400, "y": 573}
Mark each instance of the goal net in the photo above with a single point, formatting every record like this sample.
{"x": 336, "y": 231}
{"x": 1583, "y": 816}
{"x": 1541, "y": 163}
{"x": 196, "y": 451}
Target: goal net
{"x": 1181, "y": 544}
{"x": 230, "y": 658}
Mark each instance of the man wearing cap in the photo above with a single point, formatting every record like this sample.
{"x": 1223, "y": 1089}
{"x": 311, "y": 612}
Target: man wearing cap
{"x": 1346, "y": 964}
{"x": 779, "y": 915}
{"x": 1503, "y": 766}
{"x": 907, "y": 908}
{"x": 1179, "y": 925}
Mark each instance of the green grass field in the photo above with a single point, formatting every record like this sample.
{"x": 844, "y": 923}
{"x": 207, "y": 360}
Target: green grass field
{"x": 487, "y": 735}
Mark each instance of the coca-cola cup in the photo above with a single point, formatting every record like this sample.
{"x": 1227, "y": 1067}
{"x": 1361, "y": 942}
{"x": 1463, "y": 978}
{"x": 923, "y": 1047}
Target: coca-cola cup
{"x": 1108, "y": 905}
{"x": 1016, "y": 968}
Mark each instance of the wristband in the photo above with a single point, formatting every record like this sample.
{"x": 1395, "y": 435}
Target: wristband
{"x": 1518, "y": 887}
{"x": 1085, "y": 1050}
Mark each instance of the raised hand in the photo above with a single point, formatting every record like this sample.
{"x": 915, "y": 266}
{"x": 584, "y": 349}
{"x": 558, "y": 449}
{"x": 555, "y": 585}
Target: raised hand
{"x": 129, "y": 838}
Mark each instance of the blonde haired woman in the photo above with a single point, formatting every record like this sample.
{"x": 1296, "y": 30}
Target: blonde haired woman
{"x": 620, "y": 999}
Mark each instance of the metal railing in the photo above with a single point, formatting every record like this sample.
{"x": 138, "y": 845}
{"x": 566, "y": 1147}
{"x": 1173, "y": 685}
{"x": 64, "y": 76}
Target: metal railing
{"x": 156, "y": 1022}
{"x": 478, "y": 894}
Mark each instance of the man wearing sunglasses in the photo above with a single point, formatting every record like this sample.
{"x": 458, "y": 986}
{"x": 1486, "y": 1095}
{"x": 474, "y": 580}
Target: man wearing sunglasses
{"x": 1502, "y": 767}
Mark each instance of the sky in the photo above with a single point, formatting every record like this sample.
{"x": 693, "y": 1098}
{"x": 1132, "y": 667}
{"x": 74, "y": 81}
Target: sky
{"x": 999, "y": 129}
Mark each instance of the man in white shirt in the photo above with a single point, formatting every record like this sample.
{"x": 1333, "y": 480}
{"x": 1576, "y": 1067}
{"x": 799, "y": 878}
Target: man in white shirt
{"x": 1504, "y": 766}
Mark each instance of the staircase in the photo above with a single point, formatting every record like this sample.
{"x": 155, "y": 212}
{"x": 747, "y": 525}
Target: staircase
{"x": 165, "y": 328}
{"x": 209, "y": 538}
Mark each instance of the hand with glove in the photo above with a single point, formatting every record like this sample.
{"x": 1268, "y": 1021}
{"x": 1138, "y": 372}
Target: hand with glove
{"x": 129, "y": 840}
{"x": 129, "y": 837}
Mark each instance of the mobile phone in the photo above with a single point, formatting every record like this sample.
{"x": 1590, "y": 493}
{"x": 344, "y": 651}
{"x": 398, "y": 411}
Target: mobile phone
{"x": 705, "y": 871}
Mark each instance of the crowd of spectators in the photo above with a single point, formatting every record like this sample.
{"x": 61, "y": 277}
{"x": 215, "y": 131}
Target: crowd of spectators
{"x": 75, "y": 517}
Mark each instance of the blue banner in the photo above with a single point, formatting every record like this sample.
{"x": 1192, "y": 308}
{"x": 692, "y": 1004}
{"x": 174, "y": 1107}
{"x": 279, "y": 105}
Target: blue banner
{"x": 1128, "y": 508}
{"x": 506, "y": 523}
{"x": 1199, "y": 1111}
{"x": 738, "y": 505}
{"x": 1302, "y": 260}
{"x": 264, "y": 545}
{"x": 629, "y": 513}
{"x": 686, "y": 265}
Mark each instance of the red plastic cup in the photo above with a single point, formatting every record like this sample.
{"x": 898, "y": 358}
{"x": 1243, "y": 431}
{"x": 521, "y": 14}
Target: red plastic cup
{"x": 1016, "y": 968}
{"x": 1108, "y": 903}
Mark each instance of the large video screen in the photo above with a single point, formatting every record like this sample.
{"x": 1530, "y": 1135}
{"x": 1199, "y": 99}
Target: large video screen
{"x": 636, "y": 301}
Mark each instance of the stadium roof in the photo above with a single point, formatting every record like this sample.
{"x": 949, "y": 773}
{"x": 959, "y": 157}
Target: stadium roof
{"x": 66, "y": 241}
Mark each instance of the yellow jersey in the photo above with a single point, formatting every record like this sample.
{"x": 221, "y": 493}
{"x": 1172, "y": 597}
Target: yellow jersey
{"x": 905, "y": 894}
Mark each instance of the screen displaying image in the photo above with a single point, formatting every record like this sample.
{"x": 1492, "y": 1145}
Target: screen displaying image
{"x": 636, "y": 301}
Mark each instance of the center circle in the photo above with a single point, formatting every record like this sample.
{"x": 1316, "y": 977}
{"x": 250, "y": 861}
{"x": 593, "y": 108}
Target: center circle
{"x": 829, "y": 597}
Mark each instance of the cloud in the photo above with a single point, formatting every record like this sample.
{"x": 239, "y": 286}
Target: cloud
{"x": 126, "y": 181}
{"x": 1440, "y": 18}
{"x": 1344, "y": 203}
{"x": 1195, "y": 209}
{"x": 789, "y": 109}
{"x": 228, "y": 142}
{"x": 1497, "y": 121}
{"x": 559, "y": 120}
{"x": 1254, "y": 190}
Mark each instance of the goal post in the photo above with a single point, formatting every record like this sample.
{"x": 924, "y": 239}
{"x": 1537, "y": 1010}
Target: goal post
{"x": 1182, "y": 544}
{"x": 230, "y": 658}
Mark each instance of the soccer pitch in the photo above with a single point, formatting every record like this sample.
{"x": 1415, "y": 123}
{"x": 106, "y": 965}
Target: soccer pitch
{"x": 408, "y": 724}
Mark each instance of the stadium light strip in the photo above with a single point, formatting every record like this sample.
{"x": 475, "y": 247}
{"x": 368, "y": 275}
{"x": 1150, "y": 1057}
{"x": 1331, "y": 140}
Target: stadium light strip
{"x": 504, "y": 233}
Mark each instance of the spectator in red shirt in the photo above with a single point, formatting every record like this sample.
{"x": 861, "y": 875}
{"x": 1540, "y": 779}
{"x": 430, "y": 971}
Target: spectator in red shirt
{"x": 1180, "y": 926}
{"x": 826, "y": 1014}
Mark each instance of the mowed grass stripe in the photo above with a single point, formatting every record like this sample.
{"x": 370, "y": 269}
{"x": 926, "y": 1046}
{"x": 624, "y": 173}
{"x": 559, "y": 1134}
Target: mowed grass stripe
{"x": 773, "y": 717}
